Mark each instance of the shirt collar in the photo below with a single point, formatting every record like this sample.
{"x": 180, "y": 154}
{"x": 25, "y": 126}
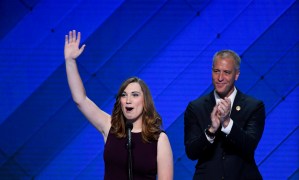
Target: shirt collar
{"x": 231, "y": 97}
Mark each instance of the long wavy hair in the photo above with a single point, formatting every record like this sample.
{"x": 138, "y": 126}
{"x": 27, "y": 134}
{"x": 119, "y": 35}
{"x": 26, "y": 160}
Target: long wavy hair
{"x": 151, "y": 120}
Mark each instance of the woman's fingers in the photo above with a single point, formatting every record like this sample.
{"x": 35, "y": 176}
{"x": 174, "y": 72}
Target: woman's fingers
{"x": 78, "y": 37}
{"x": 74, "y": 36}
{"x": 66, "y": 41}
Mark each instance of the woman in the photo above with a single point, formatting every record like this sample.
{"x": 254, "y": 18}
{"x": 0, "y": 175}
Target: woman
{"x": 151, "y": 150}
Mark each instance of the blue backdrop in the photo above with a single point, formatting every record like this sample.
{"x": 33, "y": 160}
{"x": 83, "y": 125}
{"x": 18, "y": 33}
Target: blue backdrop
{"x": 170, "y": 45}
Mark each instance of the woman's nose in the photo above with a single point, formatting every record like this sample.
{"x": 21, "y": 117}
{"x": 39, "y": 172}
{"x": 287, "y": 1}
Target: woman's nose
{"x": 128, "y": 100}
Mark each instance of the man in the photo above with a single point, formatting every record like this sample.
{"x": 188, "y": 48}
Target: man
{"x": 222, "y": 129}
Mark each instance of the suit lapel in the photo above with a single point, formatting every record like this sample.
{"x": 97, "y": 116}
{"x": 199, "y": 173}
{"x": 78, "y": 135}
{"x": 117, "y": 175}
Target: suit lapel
{"x": 238, "y": 108}
{"x": 210, "y": 101}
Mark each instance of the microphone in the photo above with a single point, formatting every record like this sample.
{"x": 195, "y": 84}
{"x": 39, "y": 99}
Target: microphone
{"x": 129, "y": 127}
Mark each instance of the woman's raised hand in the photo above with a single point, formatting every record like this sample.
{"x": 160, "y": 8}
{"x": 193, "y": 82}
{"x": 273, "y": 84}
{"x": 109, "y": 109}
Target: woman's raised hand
{"x": 71, "y": 46}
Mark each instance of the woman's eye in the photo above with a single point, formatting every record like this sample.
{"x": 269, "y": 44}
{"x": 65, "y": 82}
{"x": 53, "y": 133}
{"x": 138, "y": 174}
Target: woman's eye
{"x": 123, "y": 95}
{"x": 135, "y": 94}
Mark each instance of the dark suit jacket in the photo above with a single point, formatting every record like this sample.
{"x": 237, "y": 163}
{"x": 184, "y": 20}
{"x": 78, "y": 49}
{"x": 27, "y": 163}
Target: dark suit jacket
{"x": 231, "y": 156}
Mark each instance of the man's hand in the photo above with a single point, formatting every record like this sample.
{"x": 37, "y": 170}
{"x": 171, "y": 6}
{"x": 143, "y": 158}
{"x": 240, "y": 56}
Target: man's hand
{"x": 215, "y": 120}
{"x": 224, "y": 108}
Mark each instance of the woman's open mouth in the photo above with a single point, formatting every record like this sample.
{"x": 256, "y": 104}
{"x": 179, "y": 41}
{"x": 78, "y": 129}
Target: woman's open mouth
{"x": 129, "y": 109}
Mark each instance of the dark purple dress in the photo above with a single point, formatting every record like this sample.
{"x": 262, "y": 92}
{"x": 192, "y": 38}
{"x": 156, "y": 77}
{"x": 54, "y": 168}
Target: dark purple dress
{"x": 144, "y": 158}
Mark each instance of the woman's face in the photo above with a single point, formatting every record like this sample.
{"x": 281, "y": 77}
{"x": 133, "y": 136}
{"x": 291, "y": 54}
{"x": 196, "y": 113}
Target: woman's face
{"x": 132, "y": 102}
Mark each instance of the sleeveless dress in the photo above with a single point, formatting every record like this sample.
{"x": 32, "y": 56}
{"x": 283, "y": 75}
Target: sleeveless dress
{"x": 144, "y": 158}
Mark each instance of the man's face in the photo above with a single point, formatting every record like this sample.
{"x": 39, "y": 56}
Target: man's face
{"x": 224, "y": 75}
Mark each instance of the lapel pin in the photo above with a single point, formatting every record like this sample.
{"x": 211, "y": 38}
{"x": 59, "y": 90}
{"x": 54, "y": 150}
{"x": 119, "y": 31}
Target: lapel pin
{"x": 238, "y": 108}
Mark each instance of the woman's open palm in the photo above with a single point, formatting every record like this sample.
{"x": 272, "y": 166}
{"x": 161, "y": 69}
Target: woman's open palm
{"x": 71, "y": 46}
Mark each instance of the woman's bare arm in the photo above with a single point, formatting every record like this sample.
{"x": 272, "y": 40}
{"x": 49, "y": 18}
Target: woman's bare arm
{"x": 98, "y": 118}
{"x": 165, "y": 158}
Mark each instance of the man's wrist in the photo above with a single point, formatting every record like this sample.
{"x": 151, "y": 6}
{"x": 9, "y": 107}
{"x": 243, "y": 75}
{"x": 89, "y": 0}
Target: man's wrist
{"x": 226, "y": 122}
{"x": 228, "y": 128}
{"x": 209, "y": 133}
